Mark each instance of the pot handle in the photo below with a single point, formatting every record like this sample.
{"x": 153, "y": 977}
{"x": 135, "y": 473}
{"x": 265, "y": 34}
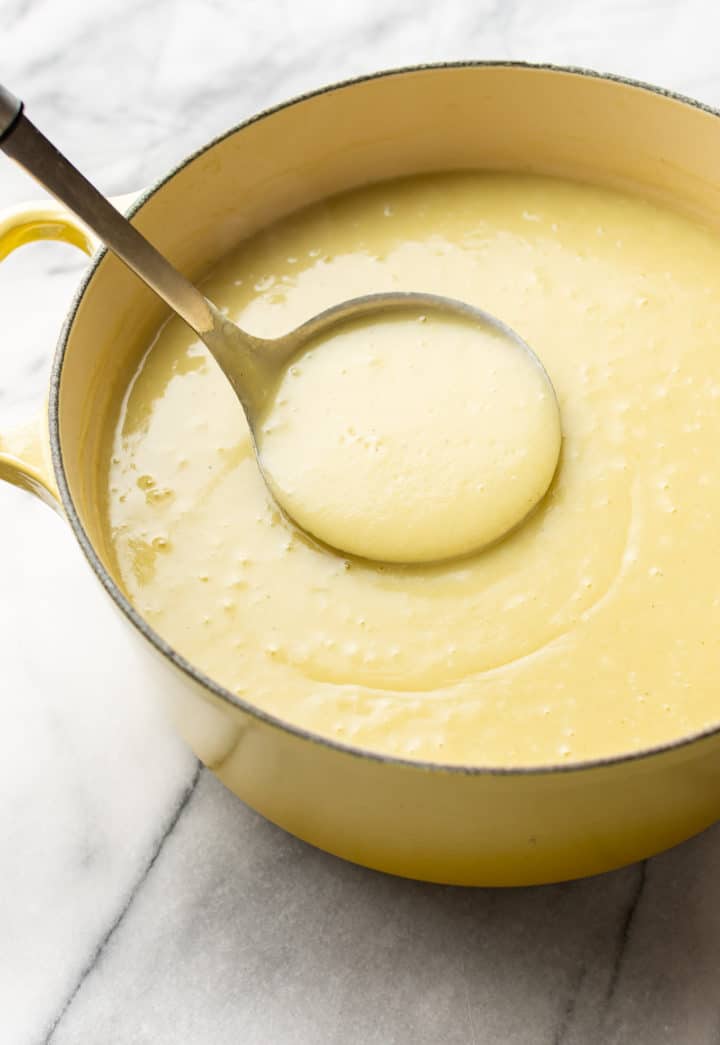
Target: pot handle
{"x": 25, "y": 451}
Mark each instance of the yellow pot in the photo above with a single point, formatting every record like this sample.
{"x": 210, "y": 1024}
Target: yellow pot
{"x": 463, "y": 825}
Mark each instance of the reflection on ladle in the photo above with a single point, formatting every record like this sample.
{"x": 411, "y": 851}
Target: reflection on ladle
{"x": 410, "y": 507}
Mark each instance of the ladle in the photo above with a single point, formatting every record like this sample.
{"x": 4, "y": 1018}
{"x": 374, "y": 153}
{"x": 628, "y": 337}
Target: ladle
{"x": 253, "y": 366}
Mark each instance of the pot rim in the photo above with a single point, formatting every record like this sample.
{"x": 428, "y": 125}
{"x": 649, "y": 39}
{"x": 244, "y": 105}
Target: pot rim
{"x": 135, "y": 618}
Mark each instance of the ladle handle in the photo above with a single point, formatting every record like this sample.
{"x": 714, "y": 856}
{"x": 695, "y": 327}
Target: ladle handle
{"x": 25, "y": 144}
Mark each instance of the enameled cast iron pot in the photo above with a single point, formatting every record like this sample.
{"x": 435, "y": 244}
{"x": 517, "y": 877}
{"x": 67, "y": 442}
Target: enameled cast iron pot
{"x": 465, "y": 825}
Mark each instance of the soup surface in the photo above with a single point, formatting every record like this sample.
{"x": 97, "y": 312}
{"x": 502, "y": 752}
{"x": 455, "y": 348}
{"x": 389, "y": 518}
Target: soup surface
{"x": 594, "y": 627}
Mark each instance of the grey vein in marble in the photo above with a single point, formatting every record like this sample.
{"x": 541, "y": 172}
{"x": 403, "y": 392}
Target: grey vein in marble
{"x": 97, "y": 954}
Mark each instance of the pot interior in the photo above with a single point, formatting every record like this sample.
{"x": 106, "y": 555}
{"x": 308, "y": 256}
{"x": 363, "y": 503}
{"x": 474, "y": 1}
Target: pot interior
{"x": 493, "y": 117}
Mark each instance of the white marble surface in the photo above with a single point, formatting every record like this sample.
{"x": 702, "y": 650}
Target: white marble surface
{"x": 139, "y": 901}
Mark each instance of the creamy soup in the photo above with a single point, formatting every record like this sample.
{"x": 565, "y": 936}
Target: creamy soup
{"x": 593, "y": 628}
{"x": 411, "y": 438}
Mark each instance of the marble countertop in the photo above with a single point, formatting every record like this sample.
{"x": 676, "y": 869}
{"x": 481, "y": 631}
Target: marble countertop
{"x": 140, "y": 902}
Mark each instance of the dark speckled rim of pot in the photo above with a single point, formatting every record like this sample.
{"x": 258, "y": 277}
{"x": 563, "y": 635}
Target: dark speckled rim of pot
{"x": 152, "y": 636}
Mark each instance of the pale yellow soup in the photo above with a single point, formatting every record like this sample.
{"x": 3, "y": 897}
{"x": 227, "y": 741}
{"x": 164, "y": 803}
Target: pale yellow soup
{"x": 594, "y": 627}
{"x": 411, "y": 438}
